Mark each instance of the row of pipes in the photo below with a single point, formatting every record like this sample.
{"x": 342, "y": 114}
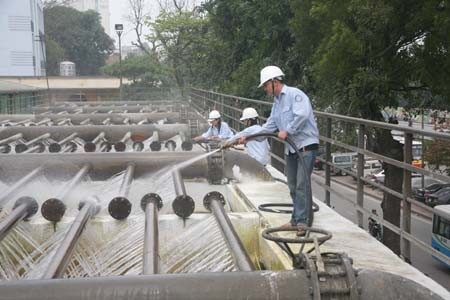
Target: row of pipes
{"x": 73, "y": 142}
{"x": 119, "y": 208}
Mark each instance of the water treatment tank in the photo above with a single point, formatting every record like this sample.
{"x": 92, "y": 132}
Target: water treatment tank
{"x": 67, "y": 68}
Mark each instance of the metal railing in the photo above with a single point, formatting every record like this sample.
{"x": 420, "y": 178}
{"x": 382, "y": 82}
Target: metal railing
{"x": 331, "y": 137}
{"x": 19, "y": 103}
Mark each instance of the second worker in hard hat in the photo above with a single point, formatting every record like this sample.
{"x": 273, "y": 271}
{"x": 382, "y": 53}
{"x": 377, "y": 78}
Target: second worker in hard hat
{"x": 259, "y": 150}
{"x": 219, "y": 130}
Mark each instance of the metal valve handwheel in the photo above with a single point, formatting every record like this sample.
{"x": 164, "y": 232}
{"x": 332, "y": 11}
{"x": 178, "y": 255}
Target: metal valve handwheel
{"x": 324, "y": 235}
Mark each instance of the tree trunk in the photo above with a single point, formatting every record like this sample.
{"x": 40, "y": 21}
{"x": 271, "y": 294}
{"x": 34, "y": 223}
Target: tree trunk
{"x": 387, "y": 146}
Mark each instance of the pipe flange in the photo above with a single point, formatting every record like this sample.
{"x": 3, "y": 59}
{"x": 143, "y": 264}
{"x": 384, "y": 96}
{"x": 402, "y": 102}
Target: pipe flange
{"x": 155, "y": 146}
{"x": 54, "y": 148}
{"x": 120, "y": 146}
{"x": 19, "y": 148}
{"x": 186, "y": 145}
{"x": 89, "y": 147}
{"x": 170, "y": 145}
{"x": 151, "y": 197}
{"x": 183, "y": 206}
{"x": 213, "y": 196}
{"x": 119, "y": 208}
{"x": 32, "y": 206}
{"x": 5, "y": 148}
{"x": 53, "y": 210}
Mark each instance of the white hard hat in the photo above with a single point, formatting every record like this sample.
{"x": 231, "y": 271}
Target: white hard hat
{"x": 249, "y": 113}
{"x": 268, "y": 73}
{"x": 214, "y": 114}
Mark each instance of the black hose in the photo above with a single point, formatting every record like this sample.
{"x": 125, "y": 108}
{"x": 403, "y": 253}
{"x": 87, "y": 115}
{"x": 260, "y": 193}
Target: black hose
{"x": 307, "y": 186}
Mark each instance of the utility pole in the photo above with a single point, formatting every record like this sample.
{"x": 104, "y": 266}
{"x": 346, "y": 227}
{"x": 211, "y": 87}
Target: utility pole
{"x": 119, "y": 30}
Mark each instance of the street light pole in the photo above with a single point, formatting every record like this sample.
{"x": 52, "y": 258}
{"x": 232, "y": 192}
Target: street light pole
{"x": 119, "y": 30}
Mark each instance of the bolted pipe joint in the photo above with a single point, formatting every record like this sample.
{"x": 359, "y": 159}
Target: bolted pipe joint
{"x": 138, "y": 146}
{"x": 32, "y": 206}
{"x": 53, "y": 210}
{"x": 5, "y": 148}
{"x": 19, "y": 148}
{"x": 183, "y": 206}
{"x": 171, "y": 145}
{"x": 151, "y": 198}
{"x": 155, "y": 146}
{"x": 120, "y": 146}
{"x": 119, "y": 208}
{"x": 186, "y": 145}
{"x": 54, "y": 148}
{"x": 213, "y": 196}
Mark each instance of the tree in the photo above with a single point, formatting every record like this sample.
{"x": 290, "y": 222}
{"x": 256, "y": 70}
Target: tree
{"x": 80, "y": 35}
{"x": 438, "y": 154}
{"x": 364, "y": 55}
{"x": 137, "y": 17}
{"x": 141, "y": 69}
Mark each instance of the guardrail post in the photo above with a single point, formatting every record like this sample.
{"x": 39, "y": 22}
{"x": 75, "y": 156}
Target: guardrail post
{"x": 360, "y": 172}
{"x": 328, "y": 161}
{"x": 406, "y": 205}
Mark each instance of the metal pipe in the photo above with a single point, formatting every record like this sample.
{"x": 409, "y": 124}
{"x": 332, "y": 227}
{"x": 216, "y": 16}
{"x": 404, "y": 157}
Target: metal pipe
{"x": 24, "y": 208}
{"x": 155, "y": 145}
{"x": 106, "y": 121}
{"x": 183, "y": 205}
{"x": 63, "y": 121}
{"x": 12, "y": 189}
{"x": 120, "y": 207}
{"x": 63, "y": 255}
{"x": 43, "y": 121}
{"x": 261, "y": 285}
{"x": 19, "y": 148}
{"x": 138, "y": 146}
{"x": 11, "y": 138}
{"x": 5, "y": 148}
{"x": 85, "y": 121}
{"x": 37, "y": 147}
{"x": 121, "y": 145}
{"x": 92, "y": 145}
{"x": 186, "y": 144}
{"x": 53, "y": 209}
{"x": 150, "y": 204}
{"x": 170, "y": 145}
{"x": 56, "y": 147}
{"x": 214, "y": 201}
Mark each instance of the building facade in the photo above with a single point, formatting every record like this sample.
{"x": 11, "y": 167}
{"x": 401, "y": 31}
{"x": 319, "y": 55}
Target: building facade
{"x": 22, "y": 46}
{"x": 100, "y": 6}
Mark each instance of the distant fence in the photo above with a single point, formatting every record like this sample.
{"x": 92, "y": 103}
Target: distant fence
{"x": 21, "y": 102}
{"x": 331, "y": 127}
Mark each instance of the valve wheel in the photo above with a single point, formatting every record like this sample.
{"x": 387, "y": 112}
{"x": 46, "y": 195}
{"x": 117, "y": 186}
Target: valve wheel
{"x": 323, "y": 235}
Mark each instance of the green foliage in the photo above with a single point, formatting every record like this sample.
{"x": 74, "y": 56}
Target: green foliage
{"x": 142, "y": 69}
{"x": 80, "y": 35}
{"x": 438, "y": 154}
{"x": 55, "y": 54}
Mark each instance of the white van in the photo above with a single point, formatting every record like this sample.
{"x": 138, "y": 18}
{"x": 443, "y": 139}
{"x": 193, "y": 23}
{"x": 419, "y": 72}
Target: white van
{"x": 342, "y": 160}
{"x": 370, "y": 167}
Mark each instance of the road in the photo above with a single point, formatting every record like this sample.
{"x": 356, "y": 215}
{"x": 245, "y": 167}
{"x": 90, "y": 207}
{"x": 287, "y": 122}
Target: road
{"x": 343, "y": 200}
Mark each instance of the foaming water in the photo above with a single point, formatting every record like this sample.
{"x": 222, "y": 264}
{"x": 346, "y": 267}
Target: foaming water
{"x": 200, "y": 248}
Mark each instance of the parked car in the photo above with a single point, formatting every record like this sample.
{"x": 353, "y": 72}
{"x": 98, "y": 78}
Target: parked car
{"x": 342, "y": 160}
{"x": 440, "y": 197}
{"x": 416, "y": 182}
{"x": 378, "y": 177}
{"x": 423, "y": 193}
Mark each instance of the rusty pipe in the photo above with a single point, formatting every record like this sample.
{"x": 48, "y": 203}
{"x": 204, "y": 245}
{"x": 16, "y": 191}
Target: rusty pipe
{"x": 150, "y": 204}
{"x": 53, "y": 209}
{"x": 183, "y": 205}
{"x": 63, "y": 255}
{"x": 120, "y": 207}
{"x": 214, "y": 202}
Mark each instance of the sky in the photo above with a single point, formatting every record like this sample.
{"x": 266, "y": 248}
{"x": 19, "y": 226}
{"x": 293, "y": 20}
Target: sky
{"x": 119, "y": 9}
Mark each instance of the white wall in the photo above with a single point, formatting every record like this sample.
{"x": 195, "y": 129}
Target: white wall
{"x": 20, "y": 49}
